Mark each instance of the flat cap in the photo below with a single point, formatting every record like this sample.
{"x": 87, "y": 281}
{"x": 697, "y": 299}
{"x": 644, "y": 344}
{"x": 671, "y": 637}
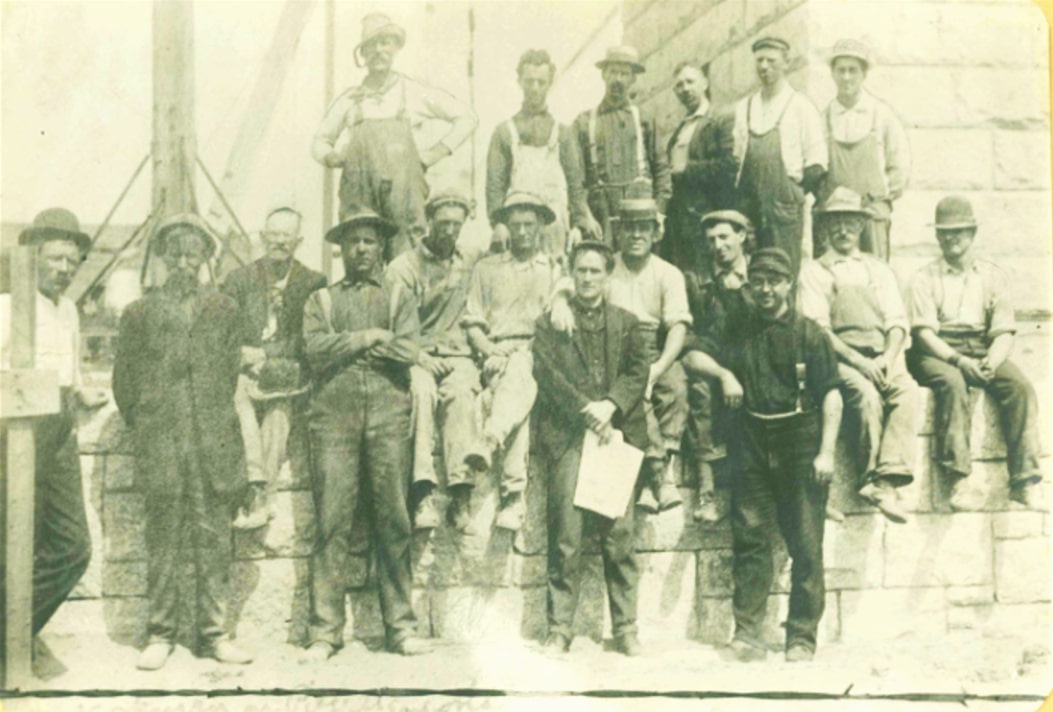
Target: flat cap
{"x": 449, "y": 196}
{"x": 851, "y": 48}
{"x": 770, "y": 42}
{"x": 771, "y": 259}
{"x": 734, "y": 217}
{"x": 521, "y": 199}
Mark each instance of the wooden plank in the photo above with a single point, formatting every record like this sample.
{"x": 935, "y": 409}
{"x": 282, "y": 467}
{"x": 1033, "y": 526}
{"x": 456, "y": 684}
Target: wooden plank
{"x": 18, "y": 484}
{"x": 174, "y": 137}
{"x": 328, "y": 183}
{"x": 25, "y": 393}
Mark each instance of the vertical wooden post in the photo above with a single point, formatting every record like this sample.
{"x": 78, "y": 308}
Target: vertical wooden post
{"x": 174, "y": 142}
{"x": 19, "y": 482}
{"x": 327, "y": 173}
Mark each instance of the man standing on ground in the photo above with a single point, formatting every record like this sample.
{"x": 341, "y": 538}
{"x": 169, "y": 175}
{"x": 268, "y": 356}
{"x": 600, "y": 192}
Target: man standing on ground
{"x": 784, "y": 453}
{"x": 174, "y": 378}
{"x": 592, "y": 380}
{"x": 869, "y": 152}
{"x": 360, "y": 342}
{"x": 271, "y": 293}
{"x": 961, "y": 313}
{"x": 620, "y": 148}
{"x": 856, "y": 298}
{"x": 702, "y": 162}
{"x": 533, "y": 153}
{"x": 781, "y": 148}
{"x": 375, "y": 133}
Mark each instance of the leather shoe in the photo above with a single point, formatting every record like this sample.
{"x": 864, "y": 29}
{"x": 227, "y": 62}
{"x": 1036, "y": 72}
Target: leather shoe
{"x": 628, "y": 645}
{"x": 411, "y": 645}
{"x": 966, "y": 496}
{"x": 799, "y": 654}
{"x": 481, "y": 454}
{"x": 1031, "y": 495}
{"x": 747, "y": 652}
{"x": 706, "y": 511}
{"x": 555, "y": 644}
{"x": 154, "y": 656}
{"x": 668, "y": 496}
{"x": 647, "y": 501}
{"x": 426, "y": 514}
{"x": 512, "y": 512}
{"x": 886, "y": 498}
{"x": 458, "y": 512}
{"x": 317, "y": 652}
{"x": 227, "y": 651}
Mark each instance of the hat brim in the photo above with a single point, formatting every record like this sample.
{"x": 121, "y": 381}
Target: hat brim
{"x": 388, "y": 31}
{"x": 865, "y": 212}
{"x": 636, "y": 66}
{"x": 159, "y": 237}
{"x": 954, "y": 225}
{"x": 543, "y": 211}
{"x": 430, "y": 208}
{"x": 850, "y": 55}
{"x": 38, "y": 235}
{"x": 386, "y": 228}
{"x": 707, "y": 220}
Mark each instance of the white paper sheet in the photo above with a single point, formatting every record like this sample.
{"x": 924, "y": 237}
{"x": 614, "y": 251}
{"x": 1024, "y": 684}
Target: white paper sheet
{"x": 607, "y": 475}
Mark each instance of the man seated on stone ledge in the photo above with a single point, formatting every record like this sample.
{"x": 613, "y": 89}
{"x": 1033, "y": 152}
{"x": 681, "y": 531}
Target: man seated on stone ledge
{"x": 963, "y": 323}
{"x": 856, "y": 298}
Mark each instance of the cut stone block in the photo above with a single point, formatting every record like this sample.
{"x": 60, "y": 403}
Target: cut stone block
{"x": 270, "y": 600}
{"x": 123, "y": 528}
{"x": 1026, "y": 623}
{"x": 1022, "y": 570}
{"x": 853, "y": 552}
{"x": 970, "y": 595}
{"x": 1017, "y": 525}
{"x": 124, "y": 578}
{"x": 951, "y": 159}
{"x": 986, "y": 434}
{"x": 937, "y": 550}
{"x": 990, "y": 477}
{"x": 290, "y": 533}
{"x": 714, "y": 573}
{"x": 677, "y": 530}
{"x": 1021, "y": 160}
{"x": 886, "y": 614}
{"x": 479, "y": 614}
{"x": 126, "y": 619}
{"x": 667, "y": 596}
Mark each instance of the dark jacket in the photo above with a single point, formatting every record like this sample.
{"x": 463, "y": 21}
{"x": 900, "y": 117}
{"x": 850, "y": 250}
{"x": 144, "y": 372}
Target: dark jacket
{"x": 174, "y": 382}
{"x": 563, "y": 382}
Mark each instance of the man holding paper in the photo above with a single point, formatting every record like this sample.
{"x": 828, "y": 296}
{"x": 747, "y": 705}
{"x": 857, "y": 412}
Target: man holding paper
{"x": 592, "y": 380}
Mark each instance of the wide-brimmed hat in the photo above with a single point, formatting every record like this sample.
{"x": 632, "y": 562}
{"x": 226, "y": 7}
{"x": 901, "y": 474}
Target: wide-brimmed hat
{"x": 771, "y": 259}
{"x": 450, "y": 196}
{"x": 186, "y": 220}
{"x": 637, "y": 209}
{"x": 733, "y": 217}
{"x": 844, "y": 200}
{"x": 770, "y": 42}
{"x": 622, "y": 55}
{"x": 520, "y": 199}
{"x": 361, "y": 215}
{"x": 377, "y": 24}
{"x": 953, "y": 213}
{"x": 851, "y": 48}
{"x": 55, "y": 224}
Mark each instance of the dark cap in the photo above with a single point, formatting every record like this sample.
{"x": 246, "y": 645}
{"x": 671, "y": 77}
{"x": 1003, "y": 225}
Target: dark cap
{"x": 771, "y": 43}
{"x": 55, "y": 224}
{"x": 954, "y": 212}
{"x": 447, "y": 197}
{"x": 361, "y": 215}
{"x": 771, "y": 259}
{"x": 733, "y": 217}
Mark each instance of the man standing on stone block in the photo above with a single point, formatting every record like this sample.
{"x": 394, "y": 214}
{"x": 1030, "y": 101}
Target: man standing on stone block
{"x": 507, "y": 293}
{"x": 782, "y": 154}
{"x": 961, "y": 313}
{"x": 533, "y": 153}
{"x": 360, "y": 341}
{"x": 593, "y": 380}
{"x": 721, "y": 307}
{"x": 620, "y": 149}
{"x": 856, "y": 298}
{"x": 784, "y": 454}
{"x": 868, "y": 146}
{"x": 271, "y": 293}
{"x": 444, "y": 381}
{"x": 174, "y": 378}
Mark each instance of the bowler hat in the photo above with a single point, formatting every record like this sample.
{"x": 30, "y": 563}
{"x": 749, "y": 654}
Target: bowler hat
{"x": 447, "y": 197}
{"x": 771, "y": 259}
{"x": 771, "y": 43}
{"x": 851, "y": 48}
{"x": 185, "y": 220}
{"x": 55, "y": 224}
{"x": 361, "y": 215}
{"x": 844, "y": 200}
{"x": 954, "y": 212}
{"x": 377, "y": 24}
{"x": 530, "y": 201}
{"x": 622, "y": 55}
{"x": 734, "y": 217}
{"x": 637, "y": 209}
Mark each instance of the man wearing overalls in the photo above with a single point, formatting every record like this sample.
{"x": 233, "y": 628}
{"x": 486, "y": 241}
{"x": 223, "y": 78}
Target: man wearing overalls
{"x": 360, "y": 341}
{"x": 781, "y": 149}
{"x": 533, "y": 153}
{"x": 623, "y": 158}
{"x": 784, "y": 454}
{"x": 869, "y": 151}
{"x": 856, "y": 298}
{"x": 374, "y": 133}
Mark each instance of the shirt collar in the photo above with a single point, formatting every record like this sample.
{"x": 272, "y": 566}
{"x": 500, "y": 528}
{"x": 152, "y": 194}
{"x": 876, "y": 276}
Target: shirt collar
{"x": 428, "y": 256}
{"x": 538, "y": 258}
{"x": 948, "y": 268}
{"x": 393, "y": 79}
{"x": 832, "y": 257}
{"x": 862, "y": 106}
{"x": 350, "y": 281}
{"x": 526, "y": 113}
{"x": 739, "y": 268}
{"x": 700, "y": 112}
{"x": 607, "y": 105}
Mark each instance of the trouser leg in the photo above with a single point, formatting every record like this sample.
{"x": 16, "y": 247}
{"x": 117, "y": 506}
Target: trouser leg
{"x": 894, "y": 457}
{"x": 875, "y": 238}
{"x": 277, "y": 422}
{"x": 702, "y": 431}
{"x": 458, "y": 413}
{"x": 210, "y": 533}
{"x": 167, "y": 515}
{"x": 669, "y": 403}
{"x": 565, "y": 530}
{"x": 952, "y": 409}
{"x": 251, "y": 437}
{"x": 513, "y": 397}
{"x": 862, "y": 427}
{"x": 425, "y": 394}
{"x": 1018, "y": 410}
{"x": 620, "y": 569}
{"x": 387, "y": 475}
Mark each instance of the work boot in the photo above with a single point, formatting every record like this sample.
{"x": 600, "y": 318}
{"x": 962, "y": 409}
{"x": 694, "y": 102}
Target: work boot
{"x": 512, "y": 513}
{"x": 411, "y": 645}
{"x": 556, "y": 644}
{"x": 798, "y": 653}
{"x": 747, "y": 652}
{"x": 834, "y": 514}
{"x": 706, "y": 511}
{"x": 258, "y": 513}
{"x": 154, "y": 656}
{"x": 667, "y": 493}
{"x": 317, "y": 652}
{"x": 966, "y": 496}
{"x": 226, "y": 650}
{"x": 648, "y": 499}
{"x": 480, "y": 455}
{"x": 885, "y": 497}
{"x": 1029, "y": 494}
{"x": 628, "y": 645}
{"x": 459, "y": 511}
{"x": 426, "y": 514}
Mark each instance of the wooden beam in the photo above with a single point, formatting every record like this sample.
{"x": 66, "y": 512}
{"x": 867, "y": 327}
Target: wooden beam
{"x": 174, "y": 140}
{"x": 327, "y": 173}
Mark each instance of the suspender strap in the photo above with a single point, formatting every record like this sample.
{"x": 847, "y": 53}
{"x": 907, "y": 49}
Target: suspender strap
{"x": 594, "y": 153}
{"x": 641, "y": 160}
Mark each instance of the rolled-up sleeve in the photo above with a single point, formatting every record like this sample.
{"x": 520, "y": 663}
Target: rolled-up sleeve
{"x": 432, "y": 103}
{"x": 814, "y": 151}
{"x": 1002, "y": 318}
{"x": 475, "y": 314}
{"x": 897, "y": 152}
{"x": 816, "y": 291}
{"x": 405, "y": 325}
{"x": 675, "y": 309}
{"x": 890, "y": 298}
{"x": 334, "y": 122}
{"x": 921, "y": 301}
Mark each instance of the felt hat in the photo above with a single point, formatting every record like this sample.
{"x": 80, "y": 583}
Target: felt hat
{"x": 733, "y": 217}
{"x": 637, "y": 209}
{"x": 770, "y": 42}
{"x": 844, "y": 200}
{"x": 55, "y": 224}
{"x": 450, "y": 196}
{"x": 771, "y": 259}
{"x": 377, "y": 24}
{"x": 954, "y": 212}
{"x": 851, "y": 48}
{"x": 185, "y": 220}
{"x": 361, "y": 215}
{"x": 622, "y": 55}
{"x": 521, "y": 199}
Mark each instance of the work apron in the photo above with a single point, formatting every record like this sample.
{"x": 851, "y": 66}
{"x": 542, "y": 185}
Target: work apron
{"x": 858, "y": 165}
{"x": 604, "y": 195}
{"x": 537, "y": 170}
{"x": 383, "y": 171}
{"x": 769, "y": 197}
{"x": 856, "y": 316}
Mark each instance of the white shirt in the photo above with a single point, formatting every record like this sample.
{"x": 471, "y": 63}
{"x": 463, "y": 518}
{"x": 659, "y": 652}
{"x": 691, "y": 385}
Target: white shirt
{"x": 849, "y": 125}
{"x": 685, "y": 132}
{"x": 801, "y": 134}
{"x": 57, "y": 341}
{"x": 656, "y": 294}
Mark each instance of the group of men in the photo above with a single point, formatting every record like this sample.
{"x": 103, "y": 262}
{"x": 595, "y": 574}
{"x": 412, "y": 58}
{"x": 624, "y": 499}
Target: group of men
{"x": 659, "y": 291}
